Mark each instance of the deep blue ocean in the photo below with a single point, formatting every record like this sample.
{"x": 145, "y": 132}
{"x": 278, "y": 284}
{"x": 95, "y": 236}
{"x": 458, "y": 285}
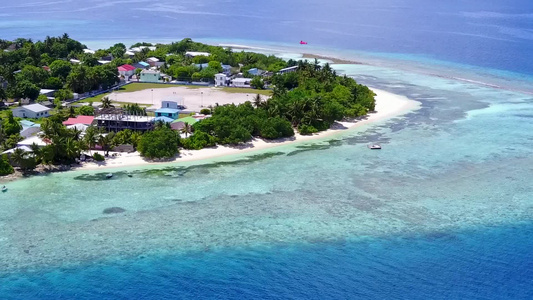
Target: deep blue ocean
{"x": 481, "y": 247}
{"x": 489, "y": 263}
{"x": 494, "y": 33}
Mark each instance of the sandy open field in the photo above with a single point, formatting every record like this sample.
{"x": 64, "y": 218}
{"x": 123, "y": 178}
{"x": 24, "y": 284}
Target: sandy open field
{"x": 193, "y": 98}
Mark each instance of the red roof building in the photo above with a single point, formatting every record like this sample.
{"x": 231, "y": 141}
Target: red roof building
{"x": 126, "y": 68}
{"x": 87, "y": 120}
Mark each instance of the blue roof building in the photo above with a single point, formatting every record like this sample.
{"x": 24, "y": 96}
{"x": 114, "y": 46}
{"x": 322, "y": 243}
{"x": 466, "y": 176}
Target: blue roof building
{"x": 172, "y": 113}
{"x": 164, "y": 119}
{"x": 255, "y": 71}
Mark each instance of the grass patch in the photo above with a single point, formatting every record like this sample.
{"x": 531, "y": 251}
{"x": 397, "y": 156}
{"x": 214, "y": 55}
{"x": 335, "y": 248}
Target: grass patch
{"x": 246, "y": 91}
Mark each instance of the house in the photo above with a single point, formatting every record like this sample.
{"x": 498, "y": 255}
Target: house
{"x": 194, "y": 54}
{"x": 32, "y": 140}
{"x": 168, "y": 109}
{"x": 154, "y": 62}
{"x": 48, "y": 104}
{"x": 226, "y": 68}
{"x": 29, "y": 128}
{"x": 80, "y": 127}
{"x": 288, "y": 70}
{"x": 23, "y": 148}
{"x": 141, "y": 65}
{"x": 201, "y": 66}
{"x": 34, "y": 111}
{"x": 221, "y": 79}
{"x": 85, "y": 120}
{"x": 255, "y": 72}
{"x": 179, "y": 124}
{"x": 118, "y": 122}
{"x": 241, "y": 82}
{"x": 163, "y": 119}
{"x": 89, "y": 51}
{"x": 150, "y": 76}
{"x": 74, "y": 61}
{"x": 47, "y": 92}
{"x": 126, "y": 70}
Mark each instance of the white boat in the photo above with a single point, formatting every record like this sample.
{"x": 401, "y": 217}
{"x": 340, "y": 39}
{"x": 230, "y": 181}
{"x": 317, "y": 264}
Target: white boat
{"x": 109, "y": 175}
{"x": 4, "y": 189}
{"x": 374, "y": 147}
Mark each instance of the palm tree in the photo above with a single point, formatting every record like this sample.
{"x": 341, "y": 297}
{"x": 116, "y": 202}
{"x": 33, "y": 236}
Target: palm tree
{"x": 36, "y": 150}
{"x": 106, "y": 102}
{"x": 71, "y": 112}
{"x": 76, "y": 134}
{"x": 187, "y": 129}
{"x": 106, "y": 142}
{"x": 72, "y": 149}
{"x": 258, "y": 101}
{"x": 18, "y": 157}
{"x": 90, "y": 137}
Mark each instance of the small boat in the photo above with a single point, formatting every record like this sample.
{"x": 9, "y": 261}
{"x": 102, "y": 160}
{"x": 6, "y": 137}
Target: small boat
{"x": 4, "y": 189}
{"x": 303, "y": 43}
{"x": 374, "y": 147}
{"x": 109, "y": 175}
{"x": 130, "y": 175}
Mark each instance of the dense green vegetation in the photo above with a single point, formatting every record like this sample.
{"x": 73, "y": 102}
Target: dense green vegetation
{"x": 29, "y": 66}
{"x": 160, "y": 143}
{"x": 310, "y": 100}
{"x": 5, "y": 167}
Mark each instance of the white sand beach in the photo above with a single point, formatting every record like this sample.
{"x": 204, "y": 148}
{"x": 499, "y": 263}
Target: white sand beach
{"x": 194, "y": 98}
{"x": 388, "y": 105}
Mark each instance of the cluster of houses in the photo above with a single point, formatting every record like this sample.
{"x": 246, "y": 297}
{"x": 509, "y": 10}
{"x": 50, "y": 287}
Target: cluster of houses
{"x": 116, "y": 120}
{"x": 238, "y": 80}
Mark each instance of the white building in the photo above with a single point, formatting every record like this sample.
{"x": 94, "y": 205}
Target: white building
{"x": 288, "y": 70}
{"x": 194, "y": 53}
{"x": 221, "y": 79}
{"x": 34, "y": 111}
{"x": 241, "y": 82}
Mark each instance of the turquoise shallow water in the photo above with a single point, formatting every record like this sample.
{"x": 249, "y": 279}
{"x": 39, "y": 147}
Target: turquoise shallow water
{"x": 445, "y": 206}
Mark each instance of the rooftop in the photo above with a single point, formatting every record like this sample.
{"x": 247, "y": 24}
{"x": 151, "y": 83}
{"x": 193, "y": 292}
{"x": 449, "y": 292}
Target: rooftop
{"x": 123, "y": 118}
{"x": 194, "y": 53}
{"x": 37, "y": 108}
{"x": 46, "y": 91}
{"x": 168, "y": 110}
{"x": 126, "y": 68}
{"x": 289, "y": 68}
{"x": 188, "y": 120}
{"x": 33, "y": 139}
{"x": 87, "y": 120}
{"x": 164, "y": 119}
{"x": 242, "y": 80}
{"x": 153, "y": 59}
{"x": 150, "y": 72}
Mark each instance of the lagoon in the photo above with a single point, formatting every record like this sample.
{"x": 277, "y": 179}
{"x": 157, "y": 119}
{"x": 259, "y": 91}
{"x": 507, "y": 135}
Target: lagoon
{"x": 443, "y": 211}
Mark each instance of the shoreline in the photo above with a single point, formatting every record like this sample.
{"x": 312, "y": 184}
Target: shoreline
{"x": 388, "y": 105}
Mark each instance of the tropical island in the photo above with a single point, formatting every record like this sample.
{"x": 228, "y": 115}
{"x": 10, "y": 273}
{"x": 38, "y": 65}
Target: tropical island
{"x": 61, "y": 105}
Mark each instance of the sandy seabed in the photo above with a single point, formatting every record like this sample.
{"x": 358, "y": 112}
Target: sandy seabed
{"x": 387, "y": 105}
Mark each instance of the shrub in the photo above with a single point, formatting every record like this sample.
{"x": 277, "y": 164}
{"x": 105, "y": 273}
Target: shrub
{"x": 5, "y": 167}
{"x": 198, "y": 141}
{"x": 160, "y": 143}
{"x": 86, "y": 110}
{"x": 98, "y": 157}
{"x": 205, "y": 111}
{"x": 307, "y": 129}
